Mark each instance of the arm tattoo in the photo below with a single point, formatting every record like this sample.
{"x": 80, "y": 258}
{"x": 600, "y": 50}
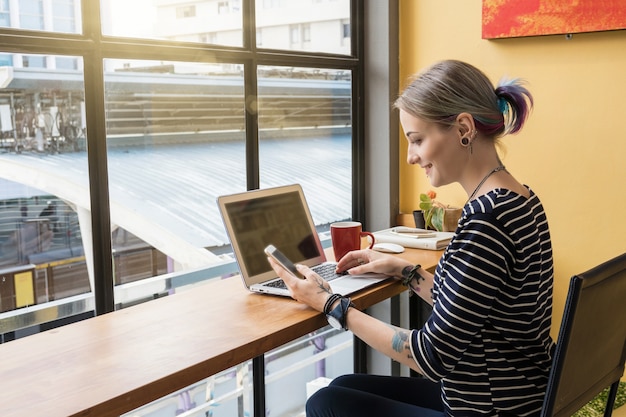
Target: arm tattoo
{"x": 414, "y": 285}
{"x": 400, "y": 341}
{"x": 320, "y": 284}
{"x": 415, "y": 282}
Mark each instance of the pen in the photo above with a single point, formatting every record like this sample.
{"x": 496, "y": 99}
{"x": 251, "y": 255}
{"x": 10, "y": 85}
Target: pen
{"x": 412, "y": 230}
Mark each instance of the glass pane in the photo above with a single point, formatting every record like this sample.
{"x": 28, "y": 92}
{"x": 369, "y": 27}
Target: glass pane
{"x": 44, "y": 195}
{"x": 226, "y": 394}
{"x": 5, "y": 14}
{"x": 295, "y": 371}
{"x": 176, "y": 141}
{"x": 305, "y": 131}
{"x": 45, "y": 15}
{"x": 63, "y": 15}
{"x": 204, "y": 21}
{"x": 292, "y": 373}
{"x": 304, "y": 25}
{"x": 31, "y": 14}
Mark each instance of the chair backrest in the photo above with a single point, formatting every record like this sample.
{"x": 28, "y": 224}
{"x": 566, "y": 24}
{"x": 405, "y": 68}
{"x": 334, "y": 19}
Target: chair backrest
{"x": 591, "y": 347}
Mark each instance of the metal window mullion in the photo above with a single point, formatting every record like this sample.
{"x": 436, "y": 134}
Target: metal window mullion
{"x": 97, "y": 163}
{"x": 358, "y": 110}
{"x": 252, "y": 124}
{"x": 358, "y": 146}
{"x": 251, "y": 97}
{"x": 258, "y": 385}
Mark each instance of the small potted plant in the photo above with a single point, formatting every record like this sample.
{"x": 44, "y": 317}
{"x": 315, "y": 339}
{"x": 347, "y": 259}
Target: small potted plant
{"x": 438, "y": 216}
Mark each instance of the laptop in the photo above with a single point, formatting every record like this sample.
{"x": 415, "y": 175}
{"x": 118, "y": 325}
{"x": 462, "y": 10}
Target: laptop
{"x": 279, "y": 216}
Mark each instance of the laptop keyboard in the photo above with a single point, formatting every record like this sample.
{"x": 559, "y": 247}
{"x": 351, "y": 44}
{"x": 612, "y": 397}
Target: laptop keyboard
{"x": 326, "y": 271}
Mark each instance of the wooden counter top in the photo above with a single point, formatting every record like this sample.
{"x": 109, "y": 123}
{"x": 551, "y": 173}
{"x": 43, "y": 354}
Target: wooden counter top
{"x": 114, "y": 363}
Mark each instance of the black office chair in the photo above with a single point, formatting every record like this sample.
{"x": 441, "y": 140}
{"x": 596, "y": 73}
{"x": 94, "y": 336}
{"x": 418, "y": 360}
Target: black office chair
{"x": 591, "y": 347}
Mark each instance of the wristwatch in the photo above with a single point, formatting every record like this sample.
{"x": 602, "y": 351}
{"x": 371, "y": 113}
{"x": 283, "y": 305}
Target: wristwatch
{"x": 337, "y": 316}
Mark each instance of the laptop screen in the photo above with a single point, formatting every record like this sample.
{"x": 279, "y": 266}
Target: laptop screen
{"x": 278, "y": 216}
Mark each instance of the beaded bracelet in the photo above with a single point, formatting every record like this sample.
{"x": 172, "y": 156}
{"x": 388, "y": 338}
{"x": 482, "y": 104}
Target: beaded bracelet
{"x": 330, "y": 301}
{"x": 409, "y": 273}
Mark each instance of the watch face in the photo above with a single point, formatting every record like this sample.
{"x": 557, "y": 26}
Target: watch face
{"x": 333, "y": 322}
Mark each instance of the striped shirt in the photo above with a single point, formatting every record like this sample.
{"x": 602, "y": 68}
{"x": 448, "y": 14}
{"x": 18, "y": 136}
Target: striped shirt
{"x": 488, "y": 338}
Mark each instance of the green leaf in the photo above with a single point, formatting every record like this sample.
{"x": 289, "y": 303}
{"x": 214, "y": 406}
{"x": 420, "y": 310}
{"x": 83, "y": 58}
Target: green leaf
{"x": 425, "y": 203}
{"x": 437, "y": 218}
{"x": 428, "y": 215}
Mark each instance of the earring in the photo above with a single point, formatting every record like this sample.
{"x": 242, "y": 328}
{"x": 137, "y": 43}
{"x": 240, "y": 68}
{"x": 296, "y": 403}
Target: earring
{"x": 465, "y": 141}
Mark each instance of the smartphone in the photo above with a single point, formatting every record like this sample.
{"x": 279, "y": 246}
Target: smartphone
{"x": 282, "y": 260}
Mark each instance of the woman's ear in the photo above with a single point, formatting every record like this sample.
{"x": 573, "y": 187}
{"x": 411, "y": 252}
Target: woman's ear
{"x": 465, "y": 123}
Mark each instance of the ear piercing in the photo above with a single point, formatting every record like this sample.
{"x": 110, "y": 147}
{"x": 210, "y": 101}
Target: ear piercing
{"x": 465, "y": 141}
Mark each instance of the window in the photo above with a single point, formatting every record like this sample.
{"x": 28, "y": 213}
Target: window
{"x": 176, "y": 123}
{"x": 313, "y": 25}
{"x": 208, "y": 37}
{"x": 66, "y": 63}
{"x": 63, "y": 15}
{"x": 31, "y": 14}
{"x": 178, "y": 127}
{"x": 5, "y": 15}
{"x": 185, "y": 12}
{"x": 174, "y": 133}
{"x": 33, "y": 61}
{"x": 307, "y": 110}
{"x": 175, "y": 21}
{"x": 6, "y": 60}
{"x": 41, "y": 214}
{"x": 48, "y": 15}
{"x": 306, "y": 33}
{"x": 345, "y": 34}
{"x": 223, "y": 7}
{"x": 294, "y": 35}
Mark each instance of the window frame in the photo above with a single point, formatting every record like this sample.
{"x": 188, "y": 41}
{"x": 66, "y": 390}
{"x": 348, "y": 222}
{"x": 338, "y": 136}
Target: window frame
{"x": 94, "y": 48}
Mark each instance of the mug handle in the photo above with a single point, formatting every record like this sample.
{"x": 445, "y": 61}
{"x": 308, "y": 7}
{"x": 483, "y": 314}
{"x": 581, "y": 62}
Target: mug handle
{"x": 371, "y": 238}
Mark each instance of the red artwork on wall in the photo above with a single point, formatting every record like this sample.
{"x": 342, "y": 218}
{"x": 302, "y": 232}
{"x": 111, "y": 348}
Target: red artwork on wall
{"x": 516, "y": 18}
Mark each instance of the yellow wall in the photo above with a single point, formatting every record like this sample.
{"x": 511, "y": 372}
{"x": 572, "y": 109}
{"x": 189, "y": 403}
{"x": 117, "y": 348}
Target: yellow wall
{"x": 572, "y": 151}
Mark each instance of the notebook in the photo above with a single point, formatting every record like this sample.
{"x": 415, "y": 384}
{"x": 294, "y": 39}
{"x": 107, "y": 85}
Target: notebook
{"x": 278, "y": 216}
{"x": 411, "y": 237}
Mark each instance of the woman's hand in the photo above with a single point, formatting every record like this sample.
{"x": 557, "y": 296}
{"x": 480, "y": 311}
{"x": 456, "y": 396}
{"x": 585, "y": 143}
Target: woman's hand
{"x": 367, "y": 260}
{"x": 312, "y": 289}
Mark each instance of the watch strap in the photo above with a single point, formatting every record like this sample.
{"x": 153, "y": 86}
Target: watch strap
{"x": 340, "y": 312}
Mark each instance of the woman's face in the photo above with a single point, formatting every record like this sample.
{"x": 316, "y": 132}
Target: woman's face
{"x": 435, "y": 148}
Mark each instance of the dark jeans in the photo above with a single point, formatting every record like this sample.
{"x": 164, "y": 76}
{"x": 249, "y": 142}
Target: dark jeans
{"x": 362, "y": 395}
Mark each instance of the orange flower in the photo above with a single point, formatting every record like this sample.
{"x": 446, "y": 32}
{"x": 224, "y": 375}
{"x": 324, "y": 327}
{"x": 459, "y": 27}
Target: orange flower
{"x": 433, "y": 210}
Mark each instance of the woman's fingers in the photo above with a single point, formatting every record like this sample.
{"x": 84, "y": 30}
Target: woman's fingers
{"x": 367, "y": 260}
{"x": 352, "y": 259}
{"x": 286, "y": 276}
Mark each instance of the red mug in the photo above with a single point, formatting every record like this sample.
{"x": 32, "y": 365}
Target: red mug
{"x": 346, "y": 237}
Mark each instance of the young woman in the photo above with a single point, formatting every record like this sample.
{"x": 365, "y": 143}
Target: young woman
{"x": 486, "y": 349}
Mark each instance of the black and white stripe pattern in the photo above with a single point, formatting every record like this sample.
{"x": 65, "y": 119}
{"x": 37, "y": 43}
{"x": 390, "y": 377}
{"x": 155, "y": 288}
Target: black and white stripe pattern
{"x": 488, "y": 338}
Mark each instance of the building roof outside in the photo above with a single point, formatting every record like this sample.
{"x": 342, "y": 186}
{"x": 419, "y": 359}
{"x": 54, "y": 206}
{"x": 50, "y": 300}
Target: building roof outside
{"x": 166, "y": 195}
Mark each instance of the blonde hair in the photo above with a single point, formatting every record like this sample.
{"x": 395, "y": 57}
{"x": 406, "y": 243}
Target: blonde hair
{"x": 448, "y": 88}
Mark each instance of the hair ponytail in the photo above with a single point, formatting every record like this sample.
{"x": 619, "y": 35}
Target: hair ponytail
{"x": 515, "y": 103}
